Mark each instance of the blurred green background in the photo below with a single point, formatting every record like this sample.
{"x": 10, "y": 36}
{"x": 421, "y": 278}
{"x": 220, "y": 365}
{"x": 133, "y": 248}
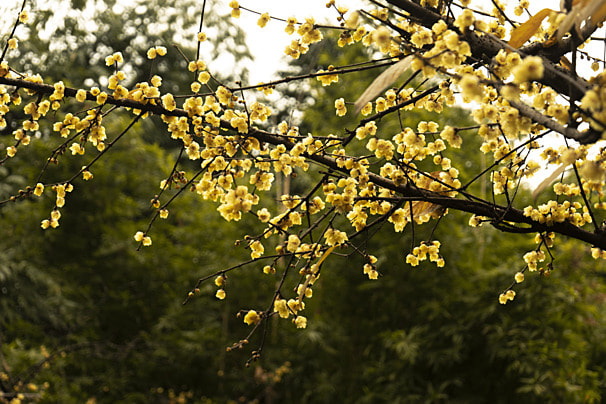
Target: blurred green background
{"x": 84, "y": 317}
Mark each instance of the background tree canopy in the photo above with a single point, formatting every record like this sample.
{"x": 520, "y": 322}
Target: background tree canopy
{"x": 337, "y": 289}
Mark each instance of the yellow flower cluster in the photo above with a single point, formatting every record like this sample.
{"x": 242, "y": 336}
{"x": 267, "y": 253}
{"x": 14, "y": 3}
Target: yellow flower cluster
{"x": 290, "y": 25}
{"x": 142, "y": 238}
{"x": 53, "y": 221}
{"x": 309, "y": 35}
{"x": 327, "y": 79}
{"x": 235, "y": 12}
{"x": 155, "y": 51}
{"x": 554, "y": 212}
{"x": 342, "y": 201}
{"x": 91, "y": 122}
{"x": 115, "y": 58}
{"x": 506, "y": 296}
{"x": 235, "y": 202}
{"x": 447, "y": 50}
{"x": 292, "y": 306}
{"x": 594, "y": 102}
{"x": 220, "y": 283}
{"x": 450, "y": 135}
{"x": 60, "y": 189}
{"x": 530, "y": 68}
{"x": 532, "y": 259}
{"x": 546, "y": 238}
{"x": 424, "y": 251}
{"x": 371, "y": 272}
{"x": 335, "y": 237}
{"x": 598, "y": 253}
{"x": 400, "y": 218}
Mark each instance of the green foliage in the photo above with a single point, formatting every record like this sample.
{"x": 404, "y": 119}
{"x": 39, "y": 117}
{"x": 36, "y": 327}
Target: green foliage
{"x": 84, "y": 315}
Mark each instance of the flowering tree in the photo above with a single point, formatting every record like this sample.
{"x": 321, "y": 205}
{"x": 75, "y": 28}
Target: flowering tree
{"x": 533, "y": 96}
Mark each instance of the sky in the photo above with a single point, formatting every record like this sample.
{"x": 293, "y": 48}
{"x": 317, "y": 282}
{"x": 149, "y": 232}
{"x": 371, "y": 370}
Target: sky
{"x": 266, "y": 44}
{"x": 270, "y": 58}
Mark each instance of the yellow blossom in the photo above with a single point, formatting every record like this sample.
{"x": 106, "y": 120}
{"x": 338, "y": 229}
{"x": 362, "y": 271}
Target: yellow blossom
{"x": 203, "y": 77}
{"x": 263, "y": 215}
{"x": 293, "y": 243}
{"x": 195, "y": 87}
{"x": 263, "y": 20}
{"x": 412, "y": 259}
{"x": 281, "y": 307}
{"x": 464, "y": 20}
{"x": 252, "y": 317}
{"x": 335, "y": 237}
{"x": 156, "y": 81}
{"x": 23, "y": 16}
{"x": 290, "y": 25}
{"x": 102, "y": 97}
{"x": 340, "y": 107}
{"x": 531, "y": 68}
{"x": 76, "y": 148}
{"x": 256, "y": 249}
{"x": 81, "y": 95}
{"x": 235, "y": 12}
{"x": 39, "y": 189}
{"x": 55, "y": 215}
{"x": 169, "y": 102}
{"x": 300, "y": 322}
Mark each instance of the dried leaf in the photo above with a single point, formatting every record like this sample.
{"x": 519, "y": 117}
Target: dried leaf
{"x": 565, "y": 63}
{"x": 600, "y": 15}
{"x": 522, "y": 33}
{"x": 384, "y": 80}
{"x": 419, "y": 210}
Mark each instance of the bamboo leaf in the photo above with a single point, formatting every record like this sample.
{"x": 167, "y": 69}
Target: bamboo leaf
{"x": 385, "y": 79}
{"x": 548, "y": 181}
{"x": 308, "y": 280}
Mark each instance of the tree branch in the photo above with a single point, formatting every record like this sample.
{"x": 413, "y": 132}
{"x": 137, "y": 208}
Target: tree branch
{"x": 485, "y": 47}
{"x": 496, "y": 212}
